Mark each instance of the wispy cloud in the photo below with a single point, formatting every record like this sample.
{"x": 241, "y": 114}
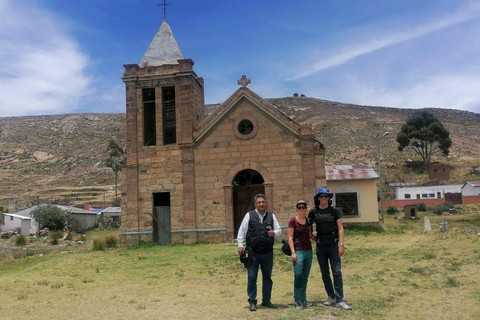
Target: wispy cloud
{"x": 43, "y": 69}
{"x": 347, "y": 53}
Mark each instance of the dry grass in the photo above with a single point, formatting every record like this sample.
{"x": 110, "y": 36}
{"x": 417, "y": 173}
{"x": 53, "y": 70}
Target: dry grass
{"x": 397, "y": 272}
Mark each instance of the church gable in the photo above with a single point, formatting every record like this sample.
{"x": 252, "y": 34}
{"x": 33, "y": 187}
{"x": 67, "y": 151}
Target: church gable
{"x": 256, "y": 104}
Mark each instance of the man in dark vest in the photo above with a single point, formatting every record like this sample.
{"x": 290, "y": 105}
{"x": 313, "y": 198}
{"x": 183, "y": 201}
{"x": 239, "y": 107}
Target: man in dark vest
{"x": 330, "y": 246}
{"x": 259, "y": 228}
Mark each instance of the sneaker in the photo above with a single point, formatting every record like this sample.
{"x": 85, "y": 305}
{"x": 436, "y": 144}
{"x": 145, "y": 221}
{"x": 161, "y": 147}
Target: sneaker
{"x": 343, "y": 305}
{"x": 307, "y": 304}
{"x": 329, "y": 302}
{"x": 253, "y": 307}
{"x": 269, "y": 305}
{"x": 298, "y": 305}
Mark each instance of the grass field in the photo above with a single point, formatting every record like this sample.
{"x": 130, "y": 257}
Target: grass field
{"x": 393, "y": 272}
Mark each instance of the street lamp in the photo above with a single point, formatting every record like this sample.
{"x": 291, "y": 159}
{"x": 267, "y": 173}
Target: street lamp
{"x": 378, "y": 138}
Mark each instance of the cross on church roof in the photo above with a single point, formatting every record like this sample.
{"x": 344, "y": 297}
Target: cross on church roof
{"x": 165, "y": 4}
{"x": 244, "y": 81}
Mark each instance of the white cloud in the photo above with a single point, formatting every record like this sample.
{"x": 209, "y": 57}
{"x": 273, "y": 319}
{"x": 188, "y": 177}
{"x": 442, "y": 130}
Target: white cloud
{"x": 377, "y": 42}
{"x": 42, "y": 67}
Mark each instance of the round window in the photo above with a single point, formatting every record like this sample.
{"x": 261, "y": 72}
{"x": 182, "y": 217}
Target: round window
{"x": 245, "y": 127}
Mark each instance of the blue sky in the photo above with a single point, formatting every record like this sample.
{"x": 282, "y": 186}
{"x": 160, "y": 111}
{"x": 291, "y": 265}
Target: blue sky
{"x": 63, "y": 56}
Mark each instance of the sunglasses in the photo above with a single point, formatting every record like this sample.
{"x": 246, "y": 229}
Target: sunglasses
{"x": 301, "y": 208}
{"x": 323, "y": 196}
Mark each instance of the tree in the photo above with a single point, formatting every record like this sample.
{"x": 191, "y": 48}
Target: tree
{"x": 50, "y": 216}
{"x": 116, "y": 158}
{"x": 423, "y": 132}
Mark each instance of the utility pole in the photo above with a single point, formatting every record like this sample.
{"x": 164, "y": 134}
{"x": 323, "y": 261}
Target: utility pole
{"x": 378, "y": 138}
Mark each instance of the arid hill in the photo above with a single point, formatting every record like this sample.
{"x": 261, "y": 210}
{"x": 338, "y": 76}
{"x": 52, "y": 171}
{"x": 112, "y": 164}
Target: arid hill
{"x": 61, "y": 157}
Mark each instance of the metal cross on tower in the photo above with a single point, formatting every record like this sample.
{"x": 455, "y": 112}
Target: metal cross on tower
{"x": 165, "y": 4}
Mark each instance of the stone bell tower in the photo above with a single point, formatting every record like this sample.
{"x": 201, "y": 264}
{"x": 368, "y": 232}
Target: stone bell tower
{"x": 164, "y": 103}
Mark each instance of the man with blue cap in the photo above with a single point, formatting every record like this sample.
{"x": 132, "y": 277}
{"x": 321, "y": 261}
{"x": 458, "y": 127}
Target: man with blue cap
{"x": 330, "y": 246}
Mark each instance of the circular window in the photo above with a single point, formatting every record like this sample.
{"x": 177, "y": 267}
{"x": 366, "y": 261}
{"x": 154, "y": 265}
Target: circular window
{"x": 245, "y": 127}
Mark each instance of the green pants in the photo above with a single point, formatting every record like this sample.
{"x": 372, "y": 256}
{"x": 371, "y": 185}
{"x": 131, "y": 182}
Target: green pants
{"x": 301, "y": 269}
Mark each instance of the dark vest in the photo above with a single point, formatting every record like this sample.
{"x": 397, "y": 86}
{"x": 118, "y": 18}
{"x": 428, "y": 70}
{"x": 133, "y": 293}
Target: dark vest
{"x": 257, "y": 234}
{"x": 326, "y": 222}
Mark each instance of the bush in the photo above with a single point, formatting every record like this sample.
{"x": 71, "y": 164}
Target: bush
{"x": 106, "y": 241}
{"x": 99, "y": 244}
{"x": 439, "y": 209}
{"x": 391, "y": 210}
{"x": 112, "y": 241}
{"x": 422, "y": 207}
{"x": 50, "y": 216}
{"x": 55, "y": 236}
{"x": 76, "y": 225}
{"x": 69, "y": 235}
{"x": 20, "y": 240}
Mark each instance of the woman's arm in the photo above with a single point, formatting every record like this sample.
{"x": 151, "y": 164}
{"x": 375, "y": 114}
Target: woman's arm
{"x": 290, "y": 232}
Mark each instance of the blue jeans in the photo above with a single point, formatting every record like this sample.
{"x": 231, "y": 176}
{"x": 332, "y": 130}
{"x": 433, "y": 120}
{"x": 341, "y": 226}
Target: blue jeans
{"x": 265, "y": 261}
{"x": 324, "y": 254}
{"x": 301, "y": 271}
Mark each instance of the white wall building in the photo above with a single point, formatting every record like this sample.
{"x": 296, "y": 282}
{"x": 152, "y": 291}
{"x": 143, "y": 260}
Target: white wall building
{"x": 427, "y": 192}
{"x": 471, "y": 188}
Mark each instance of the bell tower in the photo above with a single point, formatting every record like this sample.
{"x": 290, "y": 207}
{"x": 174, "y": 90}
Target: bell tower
{"x": 164, "y": 103}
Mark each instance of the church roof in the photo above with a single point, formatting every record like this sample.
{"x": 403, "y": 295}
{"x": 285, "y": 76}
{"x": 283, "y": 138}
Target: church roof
{"x": 163, "y": 49}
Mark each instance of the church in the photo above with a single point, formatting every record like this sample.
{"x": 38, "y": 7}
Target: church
{"x": 191, "y": 176}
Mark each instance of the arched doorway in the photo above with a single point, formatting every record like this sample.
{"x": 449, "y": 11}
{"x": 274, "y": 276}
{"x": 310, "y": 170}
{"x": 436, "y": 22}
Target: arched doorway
{"x": 246, "y": 184}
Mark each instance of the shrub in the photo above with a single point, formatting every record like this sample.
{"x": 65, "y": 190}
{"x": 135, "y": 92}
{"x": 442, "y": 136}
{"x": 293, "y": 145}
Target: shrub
{"x": 112, "y": 241}
{"x": 439, "y": 209}
{"x": 69, "y": 235}
{"x": 422, "y": 207}
{"x": 50, "y": 216}
{"x": 55, "y": 236}
{"x": 106, "y": 241}
{"x": 391, "y": 210}
{"x": 76, "y": 225}
{"x": 99, "y": 244}
{"x": 20, "y": 240}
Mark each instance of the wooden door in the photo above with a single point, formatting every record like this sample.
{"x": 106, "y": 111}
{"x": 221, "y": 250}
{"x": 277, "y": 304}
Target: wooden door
{"x": 243, "y": 202}
{"x": 162, "y": 225}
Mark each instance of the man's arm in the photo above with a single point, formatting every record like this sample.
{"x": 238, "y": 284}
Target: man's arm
{"x": 276, "y": 226}
{"x": 242, "y": 232}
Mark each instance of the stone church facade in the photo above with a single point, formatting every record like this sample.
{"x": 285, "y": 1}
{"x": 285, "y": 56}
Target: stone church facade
{"x": 191, "y": 177}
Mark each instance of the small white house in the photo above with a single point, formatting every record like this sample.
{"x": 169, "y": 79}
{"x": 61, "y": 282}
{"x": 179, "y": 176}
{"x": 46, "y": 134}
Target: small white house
{"x": 471, "y": 192}
{"x": 15, "y": 221}
{"x": 471, "y": 188}
{"x": 20, "y": 219}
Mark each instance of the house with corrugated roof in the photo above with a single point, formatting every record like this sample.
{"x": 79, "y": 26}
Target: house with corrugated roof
{"x": 354, "y": 189}
{"x": 111, "y": 217}
{"x": 471, "y": 192}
